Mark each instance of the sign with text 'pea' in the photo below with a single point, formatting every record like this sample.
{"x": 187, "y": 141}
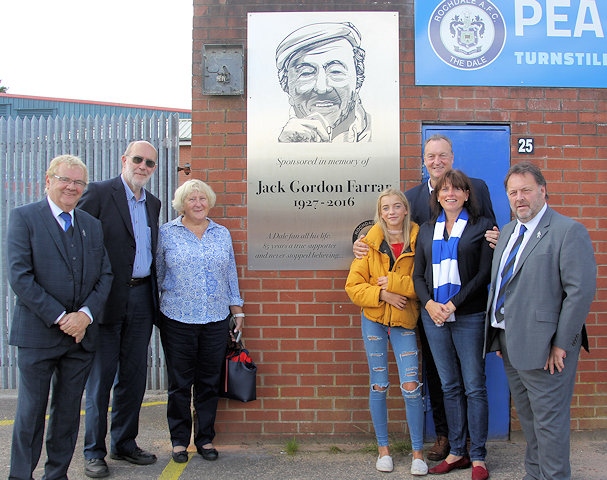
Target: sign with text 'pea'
{"x": 534, "y": 43}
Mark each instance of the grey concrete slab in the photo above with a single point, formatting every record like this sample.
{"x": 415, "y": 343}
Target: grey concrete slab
{"x": 313, "y": 461}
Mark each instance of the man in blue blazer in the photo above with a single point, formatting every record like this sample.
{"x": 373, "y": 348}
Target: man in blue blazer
{"x": 129, "y": 217}
{"x": 541, "y": 292}
{"x": 61, "y": 275}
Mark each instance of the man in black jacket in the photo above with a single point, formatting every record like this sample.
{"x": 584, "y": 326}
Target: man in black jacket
{"x": 129, "y": 216}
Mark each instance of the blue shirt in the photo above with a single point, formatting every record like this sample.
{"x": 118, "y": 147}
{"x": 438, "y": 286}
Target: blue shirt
{"x": 197, "y": 277}
{"x": 141, "y": 230}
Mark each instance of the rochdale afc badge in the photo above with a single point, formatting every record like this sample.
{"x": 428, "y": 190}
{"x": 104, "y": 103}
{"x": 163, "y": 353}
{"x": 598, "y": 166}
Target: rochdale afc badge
{"x": 362, "y": 229}
{"x": 467, "y": 35}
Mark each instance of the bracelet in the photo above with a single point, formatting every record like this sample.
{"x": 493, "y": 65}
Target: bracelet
{"x": 238, "y": 315}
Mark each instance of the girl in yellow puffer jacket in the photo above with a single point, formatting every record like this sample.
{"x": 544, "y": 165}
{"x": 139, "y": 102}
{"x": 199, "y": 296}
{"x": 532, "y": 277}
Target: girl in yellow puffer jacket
{"x": 381, "y": 283}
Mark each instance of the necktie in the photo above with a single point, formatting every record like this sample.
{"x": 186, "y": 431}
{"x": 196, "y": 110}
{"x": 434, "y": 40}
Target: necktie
{"x": 507, "y": 274}
{"x": 67, "y": 218}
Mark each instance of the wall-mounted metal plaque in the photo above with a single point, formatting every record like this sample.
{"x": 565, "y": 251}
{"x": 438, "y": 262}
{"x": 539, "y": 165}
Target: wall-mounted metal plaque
{"x": 323, "y": 133}
{"x": 222, "y": 69}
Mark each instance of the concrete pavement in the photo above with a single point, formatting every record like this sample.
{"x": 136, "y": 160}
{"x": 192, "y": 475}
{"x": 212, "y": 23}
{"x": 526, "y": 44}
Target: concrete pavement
{"x": 313, "y": 461}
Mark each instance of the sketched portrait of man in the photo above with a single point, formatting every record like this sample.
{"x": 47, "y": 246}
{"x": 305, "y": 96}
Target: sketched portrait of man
{"x": 321, "y": 68}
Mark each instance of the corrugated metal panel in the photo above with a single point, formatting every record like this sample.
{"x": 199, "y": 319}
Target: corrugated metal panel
{"x": 26, "y": 147}
{"x": 77, "y": 108}
{"x": 185, "y": 129}
{"x": 36, "y": 112}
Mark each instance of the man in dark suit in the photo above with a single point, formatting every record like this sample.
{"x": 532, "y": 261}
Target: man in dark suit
{"x": 543, "y": 281}
{"x": 129, "y": 216}
{"x": 438, "y": 159}
{"x": 61, "y": 275}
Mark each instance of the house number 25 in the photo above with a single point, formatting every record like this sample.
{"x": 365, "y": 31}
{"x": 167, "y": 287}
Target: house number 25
{"x": 525, "y": 146}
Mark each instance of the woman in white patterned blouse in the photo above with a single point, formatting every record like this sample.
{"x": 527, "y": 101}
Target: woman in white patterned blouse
{"x": 199, "y": 292}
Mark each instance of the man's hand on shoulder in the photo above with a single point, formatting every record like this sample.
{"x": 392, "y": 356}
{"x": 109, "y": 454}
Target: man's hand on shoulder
{"x": 492, "y": 236}
{"x": 360, "y": 249}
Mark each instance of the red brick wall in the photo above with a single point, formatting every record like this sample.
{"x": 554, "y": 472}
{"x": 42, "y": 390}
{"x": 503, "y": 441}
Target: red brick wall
{"x": 185, "y": 157}
{"x": 301, "y": 327}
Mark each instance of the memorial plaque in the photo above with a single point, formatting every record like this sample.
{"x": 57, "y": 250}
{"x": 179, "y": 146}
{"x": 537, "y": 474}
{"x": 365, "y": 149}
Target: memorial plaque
{"x": 322, "y": 133}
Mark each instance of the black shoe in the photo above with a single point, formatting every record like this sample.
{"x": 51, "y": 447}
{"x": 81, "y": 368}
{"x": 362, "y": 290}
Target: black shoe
{"x": 180, "y": 457}
{"x": 209, "y": 454}
{"x": 96, "y": 468}
{"x": 137, "y": 456}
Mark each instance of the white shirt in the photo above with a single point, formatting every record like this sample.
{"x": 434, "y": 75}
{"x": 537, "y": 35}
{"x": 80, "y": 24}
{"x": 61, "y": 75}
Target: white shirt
{"x": 56, "y": 211}
{"x": 531, "y": 225}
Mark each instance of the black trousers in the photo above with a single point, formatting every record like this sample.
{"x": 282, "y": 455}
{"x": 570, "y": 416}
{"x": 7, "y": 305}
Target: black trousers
{"x": 194, "y": 355}
{"x": 120, "y": 367}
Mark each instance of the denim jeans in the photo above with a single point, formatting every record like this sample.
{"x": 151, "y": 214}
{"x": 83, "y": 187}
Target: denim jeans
{"x": 457, "y": 348}
{"x": 404, "y": 345}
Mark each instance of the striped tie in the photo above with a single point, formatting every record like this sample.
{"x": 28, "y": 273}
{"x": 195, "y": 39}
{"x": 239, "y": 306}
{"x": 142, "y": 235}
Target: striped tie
{"x": 507, "y": 275}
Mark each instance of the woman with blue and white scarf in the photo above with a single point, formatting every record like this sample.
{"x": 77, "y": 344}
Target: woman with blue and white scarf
{"x": 452, "y": 271}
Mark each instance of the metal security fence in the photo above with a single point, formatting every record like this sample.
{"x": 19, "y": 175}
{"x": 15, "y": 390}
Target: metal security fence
{"x": 27, "y": 145}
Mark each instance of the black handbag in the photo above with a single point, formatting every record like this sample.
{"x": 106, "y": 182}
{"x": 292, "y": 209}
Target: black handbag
{"x": 239, "y": 374}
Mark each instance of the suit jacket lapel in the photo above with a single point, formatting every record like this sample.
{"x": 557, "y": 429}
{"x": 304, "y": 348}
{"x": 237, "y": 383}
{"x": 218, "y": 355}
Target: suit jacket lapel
{"x": 81, "y": 230}
{"x": 48, "y": 220}
{"x": 150, "y": 218}
{"x": 538, "y": 235}
{"x": 119, "y": 196}
{"x": 426, "y": 199}
{"x": 500, "y": 247}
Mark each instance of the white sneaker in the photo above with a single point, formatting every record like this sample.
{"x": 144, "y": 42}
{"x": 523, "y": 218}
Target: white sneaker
{"x": 419, "y": 467}
{"x": 384, "y": 464}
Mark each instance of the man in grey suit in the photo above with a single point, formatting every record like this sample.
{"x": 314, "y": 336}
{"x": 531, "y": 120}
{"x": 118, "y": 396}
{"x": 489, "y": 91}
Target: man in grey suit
{"x": 543, "y": 280}
{"x": 61, "y": 275}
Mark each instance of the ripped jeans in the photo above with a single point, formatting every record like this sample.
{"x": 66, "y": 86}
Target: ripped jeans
{"x": 404, "y": 345}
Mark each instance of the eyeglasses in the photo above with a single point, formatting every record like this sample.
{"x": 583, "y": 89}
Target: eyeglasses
{"x": 68, "y": 181}
{"x": 137, "y": 160}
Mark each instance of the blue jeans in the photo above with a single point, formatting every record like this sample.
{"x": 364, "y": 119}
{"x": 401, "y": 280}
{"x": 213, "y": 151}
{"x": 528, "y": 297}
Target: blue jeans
{"x": 457, "y": 348}
{"x": 404, "y": 345}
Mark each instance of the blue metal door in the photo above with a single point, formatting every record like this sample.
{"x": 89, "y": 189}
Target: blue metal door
{"x": 483, "y": 151}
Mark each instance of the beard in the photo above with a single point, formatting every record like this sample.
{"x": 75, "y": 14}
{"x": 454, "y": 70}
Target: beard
{"x": 136, "y": 180}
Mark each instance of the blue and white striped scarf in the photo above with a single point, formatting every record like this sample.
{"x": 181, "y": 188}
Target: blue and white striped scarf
{"x": 445, "y": 272}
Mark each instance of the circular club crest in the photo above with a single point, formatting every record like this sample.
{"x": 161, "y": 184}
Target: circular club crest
{"x": 362, "y": 229}
{"x": 466, "y": 36}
